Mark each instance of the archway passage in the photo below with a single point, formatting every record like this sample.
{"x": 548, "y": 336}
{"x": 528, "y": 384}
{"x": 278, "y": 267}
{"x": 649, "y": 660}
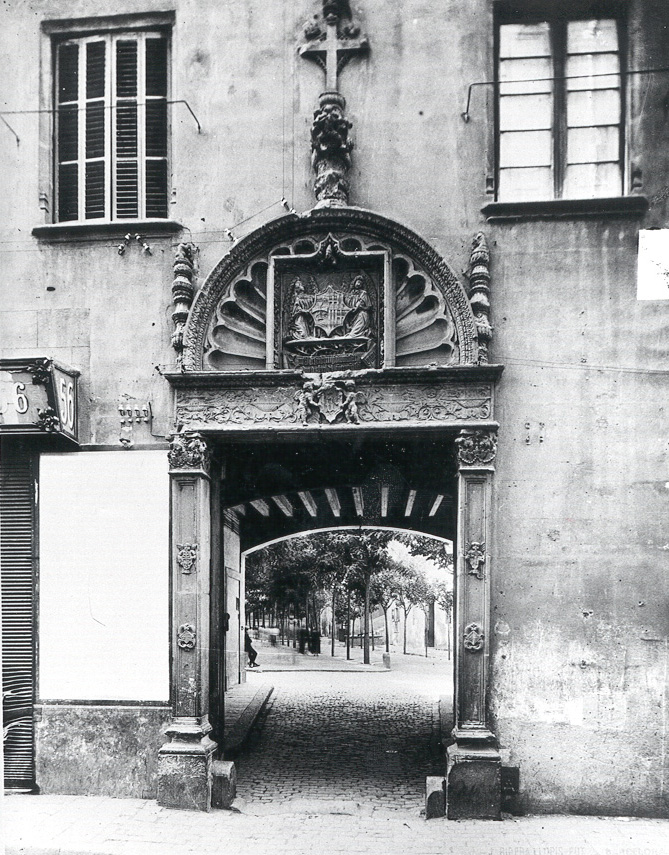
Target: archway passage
{"x": 340, "y": 733}
{"x": 378, "y": 728}
{"x": 284, "y": 488}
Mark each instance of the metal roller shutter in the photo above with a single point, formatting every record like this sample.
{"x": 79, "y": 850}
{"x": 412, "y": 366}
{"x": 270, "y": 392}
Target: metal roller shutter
{"x": 17, "y": 561}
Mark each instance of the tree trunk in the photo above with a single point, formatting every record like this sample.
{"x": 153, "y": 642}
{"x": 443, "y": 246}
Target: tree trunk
{"x": 406, "y": 613}
{"x": 385, "y": 621}
{"x": 333, "y": 624}
{"x": 365, "y": 655}
{"x": 348, "y": 624}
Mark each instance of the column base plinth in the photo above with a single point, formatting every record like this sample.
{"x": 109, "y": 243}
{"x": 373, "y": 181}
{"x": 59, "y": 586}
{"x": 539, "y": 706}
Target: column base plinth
{"x": 473, "y": 782}
{"x": 185, "y": 774}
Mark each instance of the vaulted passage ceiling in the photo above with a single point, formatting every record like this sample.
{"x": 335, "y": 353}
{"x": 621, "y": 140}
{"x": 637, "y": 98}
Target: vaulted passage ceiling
{"x": 283, "y": 489}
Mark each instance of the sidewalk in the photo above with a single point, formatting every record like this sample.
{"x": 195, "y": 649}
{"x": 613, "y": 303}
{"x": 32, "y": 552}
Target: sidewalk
{"x": 80, "y": 825}
{"x": 283, "y": 657}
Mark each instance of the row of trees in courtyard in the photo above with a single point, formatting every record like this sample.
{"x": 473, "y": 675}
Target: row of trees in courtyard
{"x": 354, "y": 573}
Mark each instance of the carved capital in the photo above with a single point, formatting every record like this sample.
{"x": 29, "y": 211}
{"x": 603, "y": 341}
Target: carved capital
{"x": 476, "y": 447}
{"x": 187, "y": 636}
{"x": 188, "y": 450}
{"x": 187, "y": 557}
{"x": 475, "y": 557}
{"x": 473, "y": 638}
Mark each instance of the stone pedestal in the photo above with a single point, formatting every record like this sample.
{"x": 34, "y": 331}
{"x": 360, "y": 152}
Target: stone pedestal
{"x": 473, "y": 783}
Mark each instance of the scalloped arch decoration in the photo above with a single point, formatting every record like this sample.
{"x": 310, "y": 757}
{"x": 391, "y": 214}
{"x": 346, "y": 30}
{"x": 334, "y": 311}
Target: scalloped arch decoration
{"x": 434, "y": 323}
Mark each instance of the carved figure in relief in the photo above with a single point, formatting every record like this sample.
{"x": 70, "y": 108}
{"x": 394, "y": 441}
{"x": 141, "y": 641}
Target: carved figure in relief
{"x": 302, "y": 321}
{"x": 349, "y": 405}
{"x": 307, "y": 404}
{"x": 475, "y": 556}
{"x": 358, "y": 322}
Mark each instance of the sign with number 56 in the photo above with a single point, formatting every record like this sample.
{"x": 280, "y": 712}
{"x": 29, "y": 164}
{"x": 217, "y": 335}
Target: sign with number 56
{"x": 38, "y": 396}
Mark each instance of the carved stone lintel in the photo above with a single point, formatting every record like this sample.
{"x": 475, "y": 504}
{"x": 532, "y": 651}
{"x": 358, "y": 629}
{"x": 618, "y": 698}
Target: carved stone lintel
{"x": 187, "y": 557}
{"x": 475, "y": 557}
{"x": 331, "y": 150}
{"x": 47, "y": 420}
{"x": 182, "y": 292}
{"x": 187, "y": 636}
{"x": 479, "y": 297}
{"x": 208, "y": 410}
{"x": 473, "y": 638}
{"x": 188, "y": 450}
{"x": 41, "y": 372}
{"x": 476, "y": 447}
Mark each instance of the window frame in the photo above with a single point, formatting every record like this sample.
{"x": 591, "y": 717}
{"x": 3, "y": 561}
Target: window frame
{"x": 54, "y": 33}
{"x": 558, "y": 16}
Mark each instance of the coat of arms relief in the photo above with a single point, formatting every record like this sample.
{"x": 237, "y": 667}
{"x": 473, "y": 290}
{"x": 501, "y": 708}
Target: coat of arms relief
{"x": 329, "y": 319}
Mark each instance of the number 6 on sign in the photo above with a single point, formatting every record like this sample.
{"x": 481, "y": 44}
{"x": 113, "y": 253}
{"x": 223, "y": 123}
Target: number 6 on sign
{"x": 20, "y": 398}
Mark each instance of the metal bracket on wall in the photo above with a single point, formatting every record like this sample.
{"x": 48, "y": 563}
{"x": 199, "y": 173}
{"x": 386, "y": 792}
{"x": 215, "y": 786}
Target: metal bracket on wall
{"x": 125, "y": 243}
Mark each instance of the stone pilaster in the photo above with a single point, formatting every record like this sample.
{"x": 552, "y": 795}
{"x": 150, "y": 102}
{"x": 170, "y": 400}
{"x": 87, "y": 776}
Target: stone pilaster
{"x": 184, "y": 762}
{"x": 474, "y": 767}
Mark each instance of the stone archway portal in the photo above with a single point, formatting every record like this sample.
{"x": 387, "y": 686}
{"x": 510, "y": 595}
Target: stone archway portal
{"x": 336, "y": 334}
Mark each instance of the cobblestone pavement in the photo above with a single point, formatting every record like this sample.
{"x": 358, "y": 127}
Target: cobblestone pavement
{"x": 358, "y": 737}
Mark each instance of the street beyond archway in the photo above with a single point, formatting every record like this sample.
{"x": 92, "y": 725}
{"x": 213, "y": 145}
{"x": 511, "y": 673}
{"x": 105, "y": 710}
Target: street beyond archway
{"x": 357, "y": 737}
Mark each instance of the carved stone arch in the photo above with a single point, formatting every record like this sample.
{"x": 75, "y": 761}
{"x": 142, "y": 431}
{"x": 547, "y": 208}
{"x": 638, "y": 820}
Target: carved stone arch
{"x": 431, "y": 317}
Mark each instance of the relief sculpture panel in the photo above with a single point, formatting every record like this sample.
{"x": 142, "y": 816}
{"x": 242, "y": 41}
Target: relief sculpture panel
{"x": 329, "y": 309}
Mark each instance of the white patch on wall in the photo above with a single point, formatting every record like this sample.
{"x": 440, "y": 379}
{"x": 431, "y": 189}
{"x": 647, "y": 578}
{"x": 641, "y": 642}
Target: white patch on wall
{"x": 653, "y": 265}
{"x": 104, "y": 579}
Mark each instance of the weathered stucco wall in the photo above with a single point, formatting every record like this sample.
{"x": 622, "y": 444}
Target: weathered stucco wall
{"x": 579, "y": 689}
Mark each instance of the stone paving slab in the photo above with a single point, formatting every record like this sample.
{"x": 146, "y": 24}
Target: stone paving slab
{"x": 81, "y": 825}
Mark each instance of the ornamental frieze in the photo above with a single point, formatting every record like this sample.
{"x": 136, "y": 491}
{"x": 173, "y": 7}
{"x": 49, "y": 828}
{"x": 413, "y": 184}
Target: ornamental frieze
{"x": 332, "y": 400}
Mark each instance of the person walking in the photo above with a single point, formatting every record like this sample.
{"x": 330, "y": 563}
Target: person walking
{"x": 250, "y": 650}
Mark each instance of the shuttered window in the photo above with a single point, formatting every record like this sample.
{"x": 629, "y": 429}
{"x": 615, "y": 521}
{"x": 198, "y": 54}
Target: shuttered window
{"x": 111, "y": 127}
{"x": 17, "y": 554}
{"x": 560, "y": 132}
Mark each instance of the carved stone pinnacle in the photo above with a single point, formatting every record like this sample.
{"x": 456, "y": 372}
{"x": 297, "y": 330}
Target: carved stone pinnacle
{"x": 479, "y": 297}
{"x": 331, "y": 151}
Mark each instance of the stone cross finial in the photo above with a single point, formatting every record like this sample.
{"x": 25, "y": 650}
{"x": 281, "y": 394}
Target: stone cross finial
{"x": 332, "y": 40}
